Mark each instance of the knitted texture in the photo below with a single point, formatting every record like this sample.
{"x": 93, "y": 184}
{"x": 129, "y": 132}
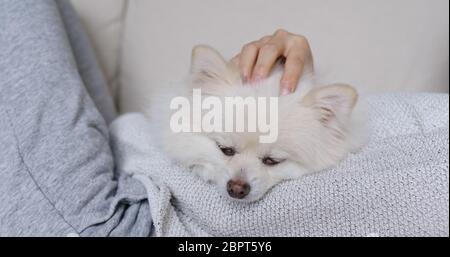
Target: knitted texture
{"x": 397, "y": 185}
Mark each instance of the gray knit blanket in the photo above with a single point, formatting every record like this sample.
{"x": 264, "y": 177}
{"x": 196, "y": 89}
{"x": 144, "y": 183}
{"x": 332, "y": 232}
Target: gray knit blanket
{"x": 397, "y": 185}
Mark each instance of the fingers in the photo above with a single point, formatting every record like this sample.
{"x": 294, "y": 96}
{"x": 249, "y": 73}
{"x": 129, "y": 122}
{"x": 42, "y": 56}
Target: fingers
{"x": 298, "y": 58}
{"x": 248, "y": 57}
{"x": 293, "y": 69}
{"x": 247, "y": 60}
{"x": 271, "y": 48}
{"x": 257, "y": 58}
{"x": 267, "y": 57}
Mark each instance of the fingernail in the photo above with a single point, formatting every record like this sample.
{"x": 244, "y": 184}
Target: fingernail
{"x": 285, "y": 91}
{"x": 286, "y": 88}
{"x": 244, "y": 79}
{"x": 257, "y": 78}
{"x": 253, "y": 82}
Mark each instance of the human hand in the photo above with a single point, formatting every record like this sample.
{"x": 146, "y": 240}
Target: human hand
{"x": 257, "y": 58}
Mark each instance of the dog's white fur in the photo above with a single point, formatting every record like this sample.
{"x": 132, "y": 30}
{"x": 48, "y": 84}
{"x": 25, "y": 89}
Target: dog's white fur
{"x": 316, "y": 127}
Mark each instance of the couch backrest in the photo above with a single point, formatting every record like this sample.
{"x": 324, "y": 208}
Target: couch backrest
{"x": 103, "y": 20}
{"x": 378, "y": 46}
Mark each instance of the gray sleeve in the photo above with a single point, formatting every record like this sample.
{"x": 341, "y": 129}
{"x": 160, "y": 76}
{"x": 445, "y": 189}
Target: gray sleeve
{"x": 57, "y": 139}
{"x": 87, "y": 64}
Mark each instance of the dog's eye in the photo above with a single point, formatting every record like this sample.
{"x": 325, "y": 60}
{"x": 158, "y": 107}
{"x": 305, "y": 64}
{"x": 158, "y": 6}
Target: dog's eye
{"x": 228, "y": 151}
{"x": 271, "y": 161}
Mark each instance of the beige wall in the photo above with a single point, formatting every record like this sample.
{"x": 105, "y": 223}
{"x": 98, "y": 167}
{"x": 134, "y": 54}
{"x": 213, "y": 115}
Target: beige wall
{"x": 378, "y": 46}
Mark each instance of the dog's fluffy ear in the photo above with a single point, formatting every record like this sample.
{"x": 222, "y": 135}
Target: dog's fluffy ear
{"x": 209, "y": 69}
{"x": 334, "y": 103}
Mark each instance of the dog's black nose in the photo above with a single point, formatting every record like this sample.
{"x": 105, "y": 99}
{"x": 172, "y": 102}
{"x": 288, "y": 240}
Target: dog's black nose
{"x": 238, "y": 188}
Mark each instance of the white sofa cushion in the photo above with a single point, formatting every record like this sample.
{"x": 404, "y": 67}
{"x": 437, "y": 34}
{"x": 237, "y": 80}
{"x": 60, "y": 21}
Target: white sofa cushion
{"x": 103, "y": 20}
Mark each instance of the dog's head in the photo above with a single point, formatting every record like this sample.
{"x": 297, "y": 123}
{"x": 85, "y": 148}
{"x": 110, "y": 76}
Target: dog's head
{"x": 312, "y": 132}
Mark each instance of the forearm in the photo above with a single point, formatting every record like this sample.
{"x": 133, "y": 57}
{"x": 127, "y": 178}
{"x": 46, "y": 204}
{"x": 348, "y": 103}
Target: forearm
{"x": 57, "y": 140}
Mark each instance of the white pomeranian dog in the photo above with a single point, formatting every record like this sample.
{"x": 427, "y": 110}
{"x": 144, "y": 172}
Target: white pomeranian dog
{"x": 316, "y": 128}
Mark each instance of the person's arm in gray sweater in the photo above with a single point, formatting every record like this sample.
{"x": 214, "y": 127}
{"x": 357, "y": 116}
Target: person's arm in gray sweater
{"x": 56, "y": 166}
